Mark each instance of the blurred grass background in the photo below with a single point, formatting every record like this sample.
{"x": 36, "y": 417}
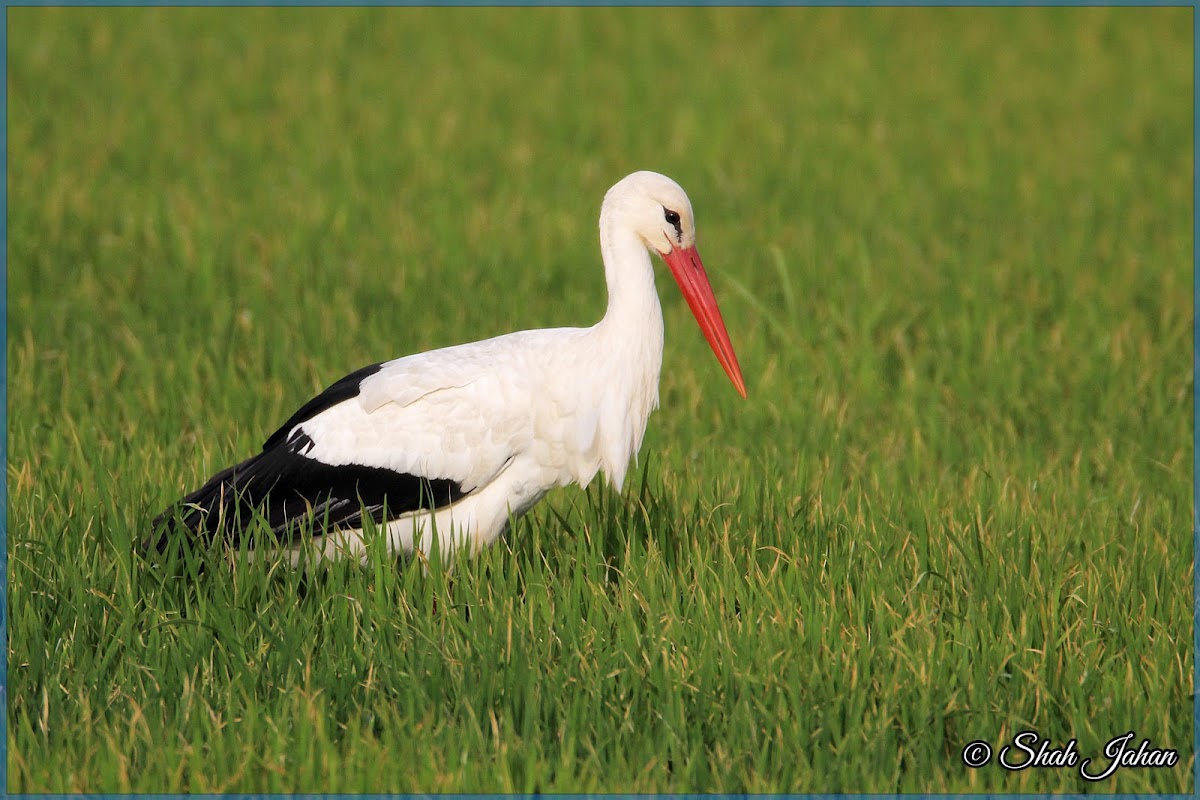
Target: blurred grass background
{"x": 953, "y": 248}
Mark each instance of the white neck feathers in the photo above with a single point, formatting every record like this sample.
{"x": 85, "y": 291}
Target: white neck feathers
{"x": 627, "y": 346}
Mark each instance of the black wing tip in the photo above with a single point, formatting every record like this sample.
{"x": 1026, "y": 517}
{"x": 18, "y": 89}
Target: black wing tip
{"x": 288, "y": 493}
{"x": 191, "y": 516}
{"x": 182, "y": 523}
{"x": 161, "y": 528}
{"x": 288, "y": 490}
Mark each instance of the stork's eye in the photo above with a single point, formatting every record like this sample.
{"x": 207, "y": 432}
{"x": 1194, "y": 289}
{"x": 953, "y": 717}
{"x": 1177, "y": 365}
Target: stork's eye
{"x": 673, "y": 218}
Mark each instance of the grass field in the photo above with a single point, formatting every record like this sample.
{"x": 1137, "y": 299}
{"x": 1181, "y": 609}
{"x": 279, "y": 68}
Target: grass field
{"x": 953, "y": 248}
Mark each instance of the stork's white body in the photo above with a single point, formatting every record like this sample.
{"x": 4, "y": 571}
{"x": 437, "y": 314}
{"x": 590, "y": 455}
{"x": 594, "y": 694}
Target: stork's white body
{"x": 505, "y": 420}
{"x": 508, "y": 419}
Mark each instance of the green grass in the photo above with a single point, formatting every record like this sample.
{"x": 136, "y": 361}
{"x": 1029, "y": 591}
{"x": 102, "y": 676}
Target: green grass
{"x": 954, "y": 252}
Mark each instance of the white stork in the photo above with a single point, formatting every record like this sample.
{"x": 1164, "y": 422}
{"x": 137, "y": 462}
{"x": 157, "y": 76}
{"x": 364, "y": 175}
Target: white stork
{"x": 468, "y": 437}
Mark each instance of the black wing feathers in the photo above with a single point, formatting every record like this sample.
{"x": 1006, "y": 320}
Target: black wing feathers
{"x": 289, "y": 489}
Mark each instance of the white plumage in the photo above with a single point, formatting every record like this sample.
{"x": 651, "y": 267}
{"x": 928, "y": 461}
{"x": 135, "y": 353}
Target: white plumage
{"x": 467, "y": 437}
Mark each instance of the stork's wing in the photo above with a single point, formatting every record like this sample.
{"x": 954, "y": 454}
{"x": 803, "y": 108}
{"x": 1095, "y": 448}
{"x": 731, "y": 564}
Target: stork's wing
{"x": 292, "y": 492}
{"x": 416, "y": 433}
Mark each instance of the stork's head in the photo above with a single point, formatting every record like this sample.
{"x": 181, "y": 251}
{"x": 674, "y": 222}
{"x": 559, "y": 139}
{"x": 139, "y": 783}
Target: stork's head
{"x": 657, "y": 208}
{"x": 659, "y": 212}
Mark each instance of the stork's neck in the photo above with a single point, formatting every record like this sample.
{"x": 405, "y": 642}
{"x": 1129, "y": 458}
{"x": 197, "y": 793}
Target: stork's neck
{"x": 623, "y": 355}
{"x": 633, "y": 320}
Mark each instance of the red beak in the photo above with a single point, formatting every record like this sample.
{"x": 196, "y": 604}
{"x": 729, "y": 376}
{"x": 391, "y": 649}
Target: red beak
{"x": 689, "y": 273}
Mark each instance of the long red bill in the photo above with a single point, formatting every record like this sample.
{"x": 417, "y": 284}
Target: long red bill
{"x": 689, "y": 273}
